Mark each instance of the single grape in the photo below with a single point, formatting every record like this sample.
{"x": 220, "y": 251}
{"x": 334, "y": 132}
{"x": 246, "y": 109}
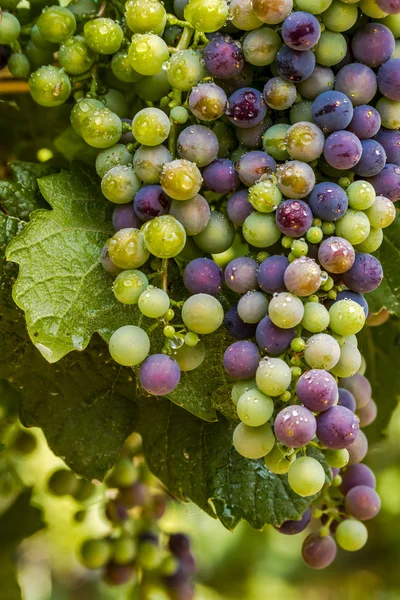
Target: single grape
{"x": 367, "y": 414}
{"x": 389, "y": 111}
{"x": 208, "y": 15}
{"x": 55, "y": 24}
{"x": 241, "y": 274}
{"x": 150, "y": 202}
{"x": 107, "y": 263}
{"x": 148, "y": 162}
{"x": 331, "y": 49}
{"x": 328, "y": 201}
{"x": 361, "y": 194}
{"x": 322, "y": 351}
{"x": 358, "y": 82}
{"x": 103, "y": 35}
{"x": 194, "y": 214}
{"x": 277, "y": 462}
{"x": 122, "y": 69}
{"x": 152, "y": 88}
{"x": 159, "y": 374}
{"x": 332, "y": 110}
{"x": 337, "y": 427}
{"x": 112, "y": 157}
{"x": 198, "y": 144}
{"x": 359, "y": 387}
{"x": 151, "y": 126}
{"x": 342, "y": 150}
{"x": 220, "y": 176}
{"x": 189, "y": 357}
{"x": 203, "y": 275}
{"x": 295, "y": 426}
{"x": 217, "y": 236}
{"x": 265, "y": 196}
{"x": 82, "y": 109}
{"x": 241, "y": 360}
{"x": 252, "y": 166}
{"x": 316, "y": 317}
{"x": 382, "y": 212}
{"x": 150, "y": 17}
{"x": 181, "y": 179}
{"x": 306, "y": 476}
{"x": 321, "y": 80}
{"x": 366, "y": 123}
{"x": 336, "y": 255}
{"x": 239, "y": 207}
{"x": 274, "y": 141}
{"x": 185, "y": 69}
{"x": 390, "y": 140}
{"x": 301, "y": 31}
{"x": 357, "y": 475}
{"x": 164, "y": 236}
{"x": 293, "y": 65}
{"x": 241, "y": 387}
{"x": 271, "y": 273}
{"x": 246, "y": 107}
{"x": 49, "y": 86}
{"x": 254, "y": 408}
{"x": 75, "y": 56}
{"x": 303, "y": 276}
{"x": 273, "y": 339}
{"x": 279, "y": 94}
{"x": 317, "y": 390}
{"x": 120, "y": 184}
{"x": 359, "y": 448}
{"x": 207, "y": 101}
{"x": 252, "y": 307}
{"x": 318, "y": 552}
{"x": 273, "y": 376}
{"x": 285, "y": 310}
{"x": 351, "y": 535}
{"x": 272, "y": 11}
{"x": 372, "y": 160}
{"x": 365, "y": 275}
{"x": 340, "y": 16}
{"x": 128, "y": 286}
{"x": 346, "y": 399}
{"x": 387, "y": 182}
{"x": 153, "y": 302}
{"x": 294, "y": 217}
{"x": 292, "y": 527}
{"x": 305, "y": 141}
{"x": 127, "y": 248}
{"x": 261, "y": 46}
{"x": 147, "y": 53}
{"x": 18, "y": 65}
{"x": 101, "y": 128}
{"x": 202, "y": 313}
{"x": 129, "y": 345}
{"x": 253, "y": 442}
{"x": 223, "y": 57}
{"x": 362, "y": 502}
{"x": 95, "y": 554}
{"x": 354, "y": 226}
{"x": 373, "y": 44}
{"x": 337, "y": 458}
{"x": 349, "y": 361}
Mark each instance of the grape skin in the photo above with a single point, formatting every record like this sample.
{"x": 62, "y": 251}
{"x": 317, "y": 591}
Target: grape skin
{"x": 253, "y": 442}
{"x": 306, "y": 476}
{"x": 295, "y": 426}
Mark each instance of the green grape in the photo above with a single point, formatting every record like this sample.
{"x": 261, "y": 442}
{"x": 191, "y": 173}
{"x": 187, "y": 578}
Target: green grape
{"x": 240, "y": 387}
{"x": 285, "y": 310}
{"x": 148, "y": 556}
{"x": 328, "y": 228}
{"x": 202, "y": 313}
{"x": 265, "y": 196}
{"x": 49, "y": 86}
{"x": 242, "y": 15}
{"x": 95, "y": 554}
{"x": 189, "y": 357}
{"x": 227, "y": 141}
{"x": 277, "y": 462}
{"x": 120, "y": 184}
{"x": 129, "y": 285}
{"x": 191, "y": 339}
{"x": 331, "y": 49}
{"x": 122, "y": 69}
{"x": 19, "y": 66}
{"x": 218, "y": 236}
{"x": 322, "y": 351}
{"x": 337, "y": 458}
{"x": 382, "y": 213}
{"x": 116, "y": 102}
{"x": 56, "y": 23}
{"x": 254, "y": 408}
{"x": 349, "y": 361}
{"x": 127, "y": 248}
{"x": 153, "y": 302}
{"x": 361, "y": 195}
{"x": 261, "y": 46}
{"x": 206, "y": 15}
{"x": 123, "y": 474}
{"x": 148, "y": 17}
{"x": 112, "y": 157}
{"x": 103, "y": 35}
{"x": 75, "y": 56}
{"x": 63, "y": 483}
{"x": 354, "y": 226}
{"x": 274, "y": 141}
{"x": 36, "y": 56}
{"x": 253, "y": 442}
{"x": 299, "y": 248}
{"x": 153, "y": 87}
{"x": 148, "y": 162}
{"x": 316, "y": 317}
{"x": 9, "y": 28}
{"x": 82, "y": 109}
{"x": 9, "y": 4}
{"x": 164, "y": 236}
{"x": 315, "y": 7}
{"x": 396, "y": 51}
{"x": 41, "y": 42}
{"x": 339, "y": 16}
{"x": 185, "y": 69}
{"x": 306, "y": 476}
{"x": 129, "y": 345}
{"x": 363, "y": 366}
{"x": 393, "y": 23}
{"x": 24, "y": 443}
{"x": 372, "y": 242}
{"x": 181, "y": 179}
{"x": 147, "y": 53}
{"x": 389, "y": 111}
{"x": 371, "y": 9}
{"x": 351, "y": 535}
{"x": 260, "y": 230}
{"x": 301, "y": 111}
{"x": 298, "y": 344}
{"x": 102, "y": 128}
{"x": 86, "y": 489}
{"x": 352, "y": 339}
{"x": 124, "y": 550}
{"x": 273, "y": 376}
{"x": 346, "y": 317}
{"x": 151, "y": 126}
{"x": 179, "y": 114}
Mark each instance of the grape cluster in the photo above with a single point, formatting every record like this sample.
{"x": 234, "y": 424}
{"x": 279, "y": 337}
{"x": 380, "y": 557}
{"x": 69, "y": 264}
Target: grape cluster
{"x": 261, "y": 152}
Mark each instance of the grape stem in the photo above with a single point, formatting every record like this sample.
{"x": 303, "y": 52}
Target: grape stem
{"x": 164, "y": 273}
{"x": 186, "y": 37}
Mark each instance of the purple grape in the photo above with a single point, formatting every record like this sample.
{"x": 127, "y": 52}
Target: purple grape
{"x": 241, "y": 360}
{"x": 321, "y": 80}
{"x": 246, "y": 107}
{"x": 317, "y": 390}
{"x": 390, "y": 140}
{"x": 360, "y": 387}
{"x": 358, "y": 449}
{"x": 332, "y": 111}
{"x": 356, "y": 475}
{"x": 292, "y": 527}
{"x": 346, "y": 399}
{"x": 241, "y": 274}
{"x": 301, "y": 31}
{"x": 243, "y": 80}
{"x": 253, "y": 165}
{"x": 318, "y": 552}
{"x": 271, "y": 273}
{"x": 295, "y": 426}
{"x": 362, "y": 502}
{"x": 179, "y": 544}
{"x": 150, "y": 201}
{"x": 127, "y": 138}
{"x": 365, "y": 275}
{"x": 373, "y": 45}
{"x": 236, "y": 327}
{"x": 252, "y": 137}
{"x": 203, "y": 276}
{"x": 239, "y": 207}
{"x": 372, "y": 160}
{"x": 272, "y": 339}
{"x": 349, "y": 295}
{"x": 389, "y": 79}
{"x": 124, "y": 217}
{"x": 220, "y": 176}
{"x": 365, "y": 123}
{"x": 198, "y": 144}
{"x": 336, "y": 255}
{"x": 117, "y": 574}
{"x": 358, "y": 82}
{"x": 387, "y": 182}
{"x": 337, "y": 427}
{"x": 367, "y": 414}
{"x": 194, "y": 214}
{"x": 293, "y": 218}
{"x": 136, "y": 494}
{"x": 342, "y": 150}
{"x": 223, "y": 58}
{"x": 159, "y": 374}
{"x": 328, "y": 201}
{"x": 391, "y": 7}
{"x": 293, "y": 65}
{"x": 108, "y": 264}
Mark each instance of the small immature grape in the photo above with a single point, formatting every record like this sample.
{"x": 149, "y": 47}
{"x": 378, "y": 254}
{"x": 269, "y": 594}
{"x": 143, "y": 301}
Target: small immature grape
{"x": 189, "y": 357}
{"x": 120, "y": 184}
{"x": 286, "y": 310}
{"x": 164, "y": 236}
{"x": 128, "y": 286}
{"x": 181, "y": 179}
{"x": 96, "y": 553}
{"x": 337, "y": 458}
{"x": 103, "y": 35}
{"x": 254, "y": 408}
{"x": 273, "y": 376}
{"x": 102, "y": 128}
{"x": 351, "y": 535}
{"x": 129, "y": 345}
{"x": 265, "y": 196}
{"x": 151, "y": 126}
{"x": 127, "y": 248}
{"x": 49, "y": 86}
{"x": 253, "y": 442}
{"x": 346, "y": 317}
{"x": 276, "y": 461}
{"x": 306, "y": 476}
{"x": 202, "y": 313}
{"x": 314, "y": 235}
{"x": 316, "y": 317}
{"x": 153, "y": 302}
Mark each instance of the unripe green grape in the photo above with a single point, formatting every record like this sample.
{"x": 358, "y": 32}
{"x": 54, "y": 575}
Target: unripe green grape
{"x": 354, "y": 226}
{"x": 189, "y": 357}
{"x": 299, "y": 248}
{"x": 115, "y": 101}
{"x": 191, "y": 339}
{"x": 254, "y": 408}
{"x": 36, "y": 56}
{"x": 95, "y": 554}
{"x": 112, "y": 157}
{"x": 206, "y": 15}
{"x": 265, "y": 196}
{"x": 49, "y": 86}
{"x": 301, "y": 111}
{"x": 273, "y": 376}
{"x": 306, "y": 476}
{"x": 371, "y": 9}
{"x": 144, "y": 18}
{"x": 240, "y": 387}
{"x": 382, "y": 213}
{"x": 19, "y": 65}
{"x": 179, "y": 114}
{"x": 153, "y": 302}
{"x": 352, "y": 339}
{"x": 129, "y": 345}
{"x": 389, "y": 111}
{"x": 63, "y": 482}
{"x": 218, "y": 236}
{"x": 120, "y": 184}
{"x": 287, "y": 242}
{"x": 122, "y": 69}
{"x": 181, "y": 179}
{"x": 242, "y": 15}
{"x": 124, "y": 550}
{"x": 361, "y": 195}
{"x": 315, "y": 7}
{"x": 151, "y": 126}
{"x": 75, "y": 56}
{"x": 153, "y": 87}
{"x": 328, "y": 228}
{"x": 169, "y": 315}
{"x": 148, "y": 162}
{"x": 298, "y": 345}
{"x": 260, "y": 48}
{"x": 337, "y": 458}
{"x": 102, "y": 128}
{"x": 81, "y": 111}
{"x": 103, "y": 35}
{"x": 331, "y": 49}
{"x": 129, "y": 285}
{"x": 56, "y": 23}
{"x": 169, "y": 331}
{"x": 41, "y": 42}
{"x": 363, "y": 367}
{"x": 260, "y": 230}
{"x": 202, "y": 313}
{"x": 127, "y": 248}
{"x": 274, "y": 141}
{"x": 185, "y": 69}
{"x": 277, "y": 462}
{"x": 349, "y": 361}
{"x": 285, "y": 310}
{"x": 148, "y": 556}
{"x": 339, "y": 16}
{"x": 372, "y": 242}
{"x": 147, "y": 53}
{"x": 347, "y": 317}
{"x": 253, "y": 442}
{"x": 164, "y": 236}
{"x": 322, "y": 351}
{"x": 351, "y": 535}
{"x": 393, "y": 23}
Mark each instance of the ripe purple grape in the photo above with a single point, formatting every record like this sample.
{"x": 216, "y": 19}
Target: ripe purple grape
{"x": 390, "y": 140}
{"x": 362, "y": 502}
{"x": 236, "y": 327}
{"x": 358, "y": 449}
{"x": 372, "y": 160}
{"x": 239, "y": 207}
{"x": 367, "y": 414}
{"x": 294, "y": 218}
{"x": 241, "y": 360}
{"x": 241, "y": 274}
{"x": 342, "y": 150}
{"x": 337, "y": 427}
{"x": 356, "y": 475}
{"x": 332, "y": 111}
{"x": 301, "y": 31}
{"x": 253, "y": 165}
{"x": 223, "y": 58}
{"x": 387, "y": 182}
{"x": 358, "y": 82}
{"x": 293, "y": 65}
{"x": 293, "y": 527}
{"x": 360, "y": 387}
{"x": 203, "y": 276}
{"x": 271, "y": 274}
{"x": 150, "y": 201}
{"x": 220, "y": 176}
{"x": 295, "y": 426}
{"x": 346, "y": 399}
{"x": 124, "y": 217}
{"x": 373, "y": 44}
{"x": 198, "y": 144}
{"x": 365, "y": 275}
{"x": 336, "y": 255}
{"x": 366, "y": 122}
{"x": 272, "y": 339}
{"x": 159, "y": 374}
{"x": 246, "y": 107}
{"x": 328, "y": 201}
{"x": 389, "y": 79}
{"x": 391, "y": 7}
{"x": 318, "y": 552}
{"x": 317, "y": 390}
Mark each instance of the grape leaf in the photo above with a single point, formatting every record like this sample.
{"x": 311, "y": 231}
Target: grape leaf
{"x": 21, "y": 196}
{"x": 72, "y": 147}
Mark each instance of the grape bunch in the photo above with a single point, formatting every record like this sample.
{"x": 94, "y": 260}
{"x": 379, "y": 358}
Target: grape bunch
{"x": 254, "y": 151}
